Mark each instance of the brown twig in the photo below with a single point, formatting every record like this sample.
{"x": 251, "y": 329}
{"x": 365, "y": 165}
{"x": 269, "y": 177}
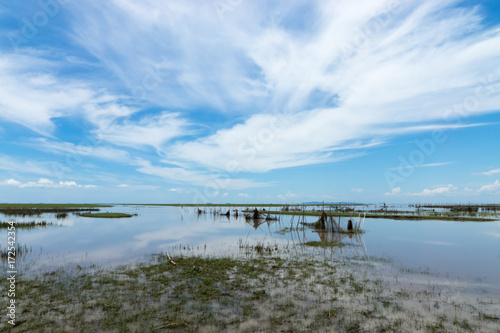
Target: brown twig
{"x": 173, "y": 263}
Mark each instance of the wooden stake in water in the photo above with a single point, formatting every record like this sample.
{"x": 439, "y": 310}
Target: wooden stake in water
{"x": 364, "y": 218}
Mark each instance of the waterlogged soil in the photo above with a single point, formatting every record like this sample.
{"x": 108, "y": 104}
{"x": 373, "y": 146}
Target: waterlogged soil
{"x": 233, "y": 274}
{"x": 262, "y": 293}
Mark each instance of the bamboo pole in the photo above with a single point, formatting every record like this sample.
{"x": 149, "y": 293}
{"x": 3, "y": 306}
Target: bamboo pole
{"x": 364, "y": 218}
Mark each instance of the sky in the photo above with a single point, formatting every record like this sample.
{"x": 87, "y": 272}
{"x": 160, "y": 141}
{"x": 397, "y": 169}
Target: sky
{"x": 242, "y": 101}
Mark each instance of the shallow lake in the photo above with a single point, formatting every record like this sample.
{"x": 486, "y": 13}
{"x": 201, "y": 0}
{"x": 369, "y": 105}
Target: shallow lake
{"x": 469, "y": 251}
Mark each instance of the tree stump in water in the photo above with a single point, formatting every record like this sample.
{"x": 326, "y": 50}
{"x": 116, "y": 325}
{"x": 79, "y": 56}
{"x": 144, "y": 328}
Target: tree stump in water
{"x": 349, "y": 225}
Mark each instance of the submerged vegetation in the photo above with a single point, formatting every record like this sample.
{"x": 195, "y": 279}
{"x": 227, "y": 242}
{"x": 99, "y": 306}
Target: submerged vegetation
{"x": 325, "y": 244}
{"x": 321, "y": 280}
{"x": 265, "y": 294}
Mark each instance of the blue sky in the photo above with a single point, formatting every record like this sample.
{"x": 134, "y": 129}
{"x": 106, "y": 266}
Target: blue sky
{"x": 249, "y": 101}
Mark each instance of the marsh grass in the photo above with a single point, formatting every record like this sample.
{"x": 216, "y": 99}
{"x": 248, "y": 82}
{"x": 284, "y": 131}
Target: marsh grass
{"x": 27, "y": 225}
{"x": 40, "y": 205}
{"x": 21, "y": 251}
{"x": 265, "y": 294}
{"x": 37, "y": 211}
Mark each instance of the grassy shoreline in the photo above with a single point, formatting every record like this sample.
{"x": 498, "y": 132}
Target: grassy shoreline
{"x": 40, "y": 205}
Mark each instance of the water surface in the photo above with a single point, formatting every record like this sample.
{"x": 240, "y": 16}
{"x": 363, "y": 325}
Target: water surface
{"x": 469, "y": 251}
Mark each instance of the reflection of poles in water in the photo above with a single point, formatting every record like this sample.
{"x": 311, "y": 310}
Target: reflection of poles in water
{"x": 335, "y": 237}
{"x": 255, "y": 223}
{"x": 329, "y": 237}
{"x": 269, "y": 227}
{"x": 362, "y": 242}
{"x": 293, "y": 242}
{"x": 301, "y": 241}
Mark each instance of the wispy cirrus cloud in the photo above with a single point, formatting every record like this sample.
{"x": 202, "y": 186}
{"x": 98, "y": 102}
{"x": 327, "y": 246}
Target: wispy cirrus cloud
{"x": 94, "y": 149}
{"x": 199, "y": 178}
{"x": 491, "y": 172}
{"x": 29, "y": 166}
{"x": 33, "y": 95}
{"x": 274, "y": 85}
{"x": 336, "y": 93}
{"x": 114, "y": 124}
{"x": 426, "y": 165}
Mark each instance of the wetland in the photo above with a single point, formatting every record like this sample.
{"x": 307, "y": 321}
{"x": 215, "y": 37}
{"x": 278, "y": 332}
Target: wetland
{"x": 172, "y": 268}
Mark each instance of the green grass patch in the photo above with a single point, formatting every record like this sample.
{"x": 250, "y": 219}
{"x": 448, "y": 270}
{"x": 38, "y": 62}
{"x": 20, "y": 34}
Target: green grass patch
{"x": 325, "y": 244}
{"x": 107, "y": 215}
{"x": 40, "y": 205}
{"x": 26, "y": 225}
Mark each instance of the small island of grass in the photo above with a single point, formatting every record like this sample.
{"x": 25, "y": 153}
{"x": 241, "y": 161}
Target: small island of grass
{"x": 325, "y": 244}
{"x": 107, "y": 215}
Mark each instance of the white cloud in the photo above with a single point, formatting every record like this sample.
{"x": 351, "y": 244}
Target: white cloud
{"x": 115, "y": 126}
{"x": 287, "y": 196}
{"x": 189, "y": 57}
{"x": 395, "y": 191}
{"x": 45, "y": 183}
{"x": 491, "y": 172}
{"x": 449, "y": 190}
{"x": 442, "y": 190}
{"x": 337, "y": 92}
{"x": 358, "y": 190}
{"x": 88, "y": 148}
{"x": 244, "y": 195}
{"x": 322, "y": 94}
{"x": 437, "y": 191}
{"x": 491, "y": 188}
{"x": 181, "y": 175}
{"x": 11, "y": 182}
{"x": 180, "y": 190}
{"x": 32, "y": 96}
{"x": 427, "y": 165}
